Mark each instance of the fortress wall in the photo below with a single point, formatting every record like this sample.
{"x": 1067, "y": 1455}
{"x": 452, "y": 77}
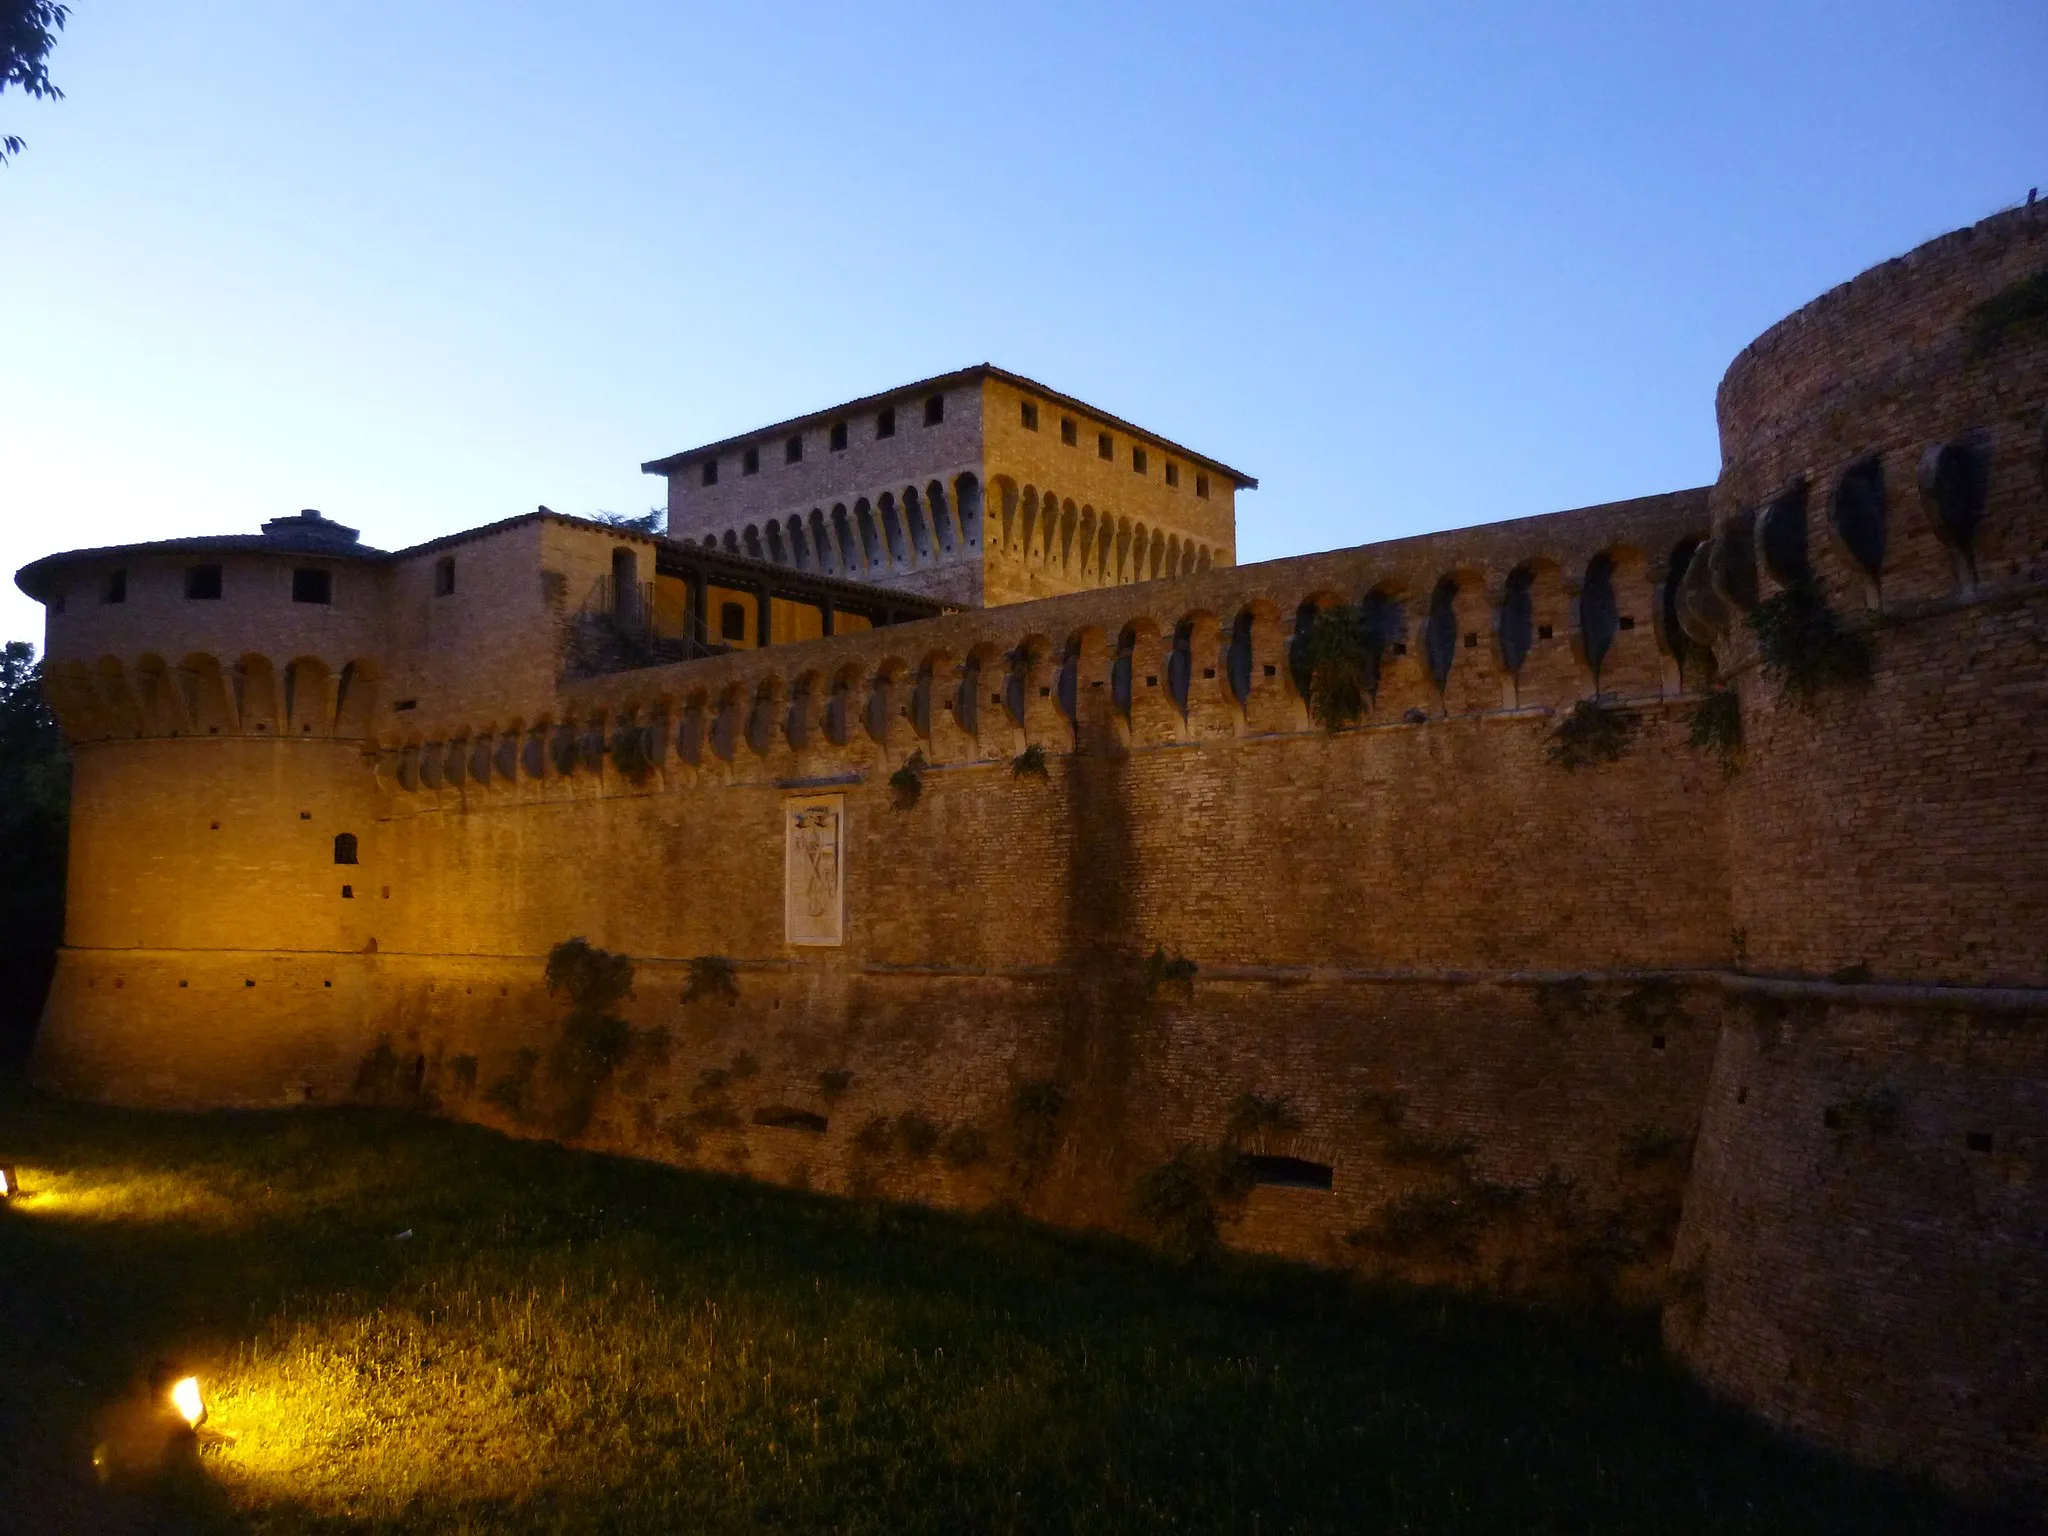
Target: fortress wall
{"x": 206, "y": 1028}
{"x": 201, "y": 844}
{"x": 1861, "y": 1255}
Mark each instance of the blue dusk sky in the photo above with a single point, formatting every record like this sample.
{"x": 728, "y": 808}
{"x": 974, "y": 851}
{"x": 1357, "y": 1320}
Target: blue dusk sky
{"x": 426, "y": 265}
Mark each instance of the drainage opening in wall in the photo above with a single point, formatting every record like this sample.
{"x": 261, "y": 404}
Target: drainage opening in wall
{"x": 785, "y": 1119}
{"x": 249, "y": 983}
{"x": 1289, "y": 1172}
{"x": 1978, "y": 1141}
{"x": 1656, "y": 1042}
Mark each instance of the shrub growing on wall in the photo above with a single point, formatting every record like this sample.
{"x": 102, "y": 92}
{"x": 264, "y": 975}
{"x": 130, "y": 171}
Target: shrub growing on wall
{"x": 711, "y": 976}
{"x": 1805, "y": 648}
{"x": 1341, "y": 660}
{"x": 594, "y": 1039}
{"x": 1715, "y": 725}
{"x": 1593, "y": 733}
{"x": 906, "y": 784}
{"x": 1030, "y": 763}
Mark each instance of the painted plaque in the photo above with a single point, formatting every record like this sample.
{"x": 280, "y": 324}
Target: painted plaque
{"x": 814, "y": 869}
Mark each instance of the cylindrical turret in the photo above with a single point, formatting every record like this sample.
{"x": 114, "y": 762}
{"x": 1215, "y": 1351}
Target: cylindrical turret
{"x": 1861, "y": 1257}
{"x": 217, "y": 694}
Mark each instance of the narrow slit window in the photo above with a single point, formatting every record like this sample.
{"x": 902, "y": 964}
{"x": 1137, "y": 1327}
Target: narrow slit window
{"x": 1104, "y": 448}
{"x": 793, "y": 450}
{"x": 838, "y": 437}
{"x": 444, "y": 576}
{"x": 885, "y": 423}
{"x": 1029, "y": 413}
{"x": 935, "y": 410}
{"x": 750, "y": 462}
{"x": 709, "y": 475}
{"x": 115, "y": 588}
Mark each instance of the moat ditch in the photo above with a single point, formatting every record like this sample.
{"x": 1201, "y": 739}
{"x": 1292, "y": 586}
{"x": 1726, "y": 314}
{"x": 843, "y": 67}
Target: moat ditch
{"x": 407, "y": 1324}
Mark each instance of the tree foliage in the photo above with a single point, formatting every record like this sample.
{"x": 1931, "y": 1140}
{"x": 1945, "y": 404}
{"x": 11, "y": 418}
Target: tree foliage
{"x": 28, "y": 31}
{"x": 35, "y": 800}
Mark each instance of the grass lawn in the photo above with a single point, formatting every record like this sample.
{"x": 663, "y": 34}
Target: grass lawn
{"x": 567, "y": 1342}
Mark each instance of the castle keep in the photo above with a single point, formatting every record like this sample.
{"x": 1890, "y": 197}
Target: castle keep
{"x": 1536, "y": 977}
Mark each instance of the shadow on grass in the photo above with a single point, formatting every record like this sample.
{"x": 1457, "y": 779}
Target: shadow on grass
{"x": 567, "y": 1341}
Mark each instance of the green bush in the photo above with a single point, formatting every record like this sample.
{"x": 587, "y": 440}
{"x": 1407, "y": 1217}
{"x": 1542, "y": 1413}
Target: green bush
{"x": 1341, "y": 660}
{"x": 711, "y": 976}
{"x": 1162, "y": 971}
{"x": 1805, "y": 648}
{"x": 1182, "y": 1199}
{"x": 1591, "y": 734}
{"x": 1030, "y": 763}
{"x": 1715, "y": 725}
{"x": 906, "y": 784}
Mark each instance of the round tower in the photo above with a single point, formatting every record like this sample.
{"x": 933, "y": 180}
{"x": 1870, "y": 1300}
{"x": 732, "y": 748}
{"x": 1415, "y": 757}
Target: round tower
{"x": 223, "y": 884}
{"x": 1862, "y": 1254}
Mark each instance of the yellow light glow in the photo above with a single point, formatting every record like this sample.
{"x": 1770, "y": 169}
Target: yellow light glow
{"x": 6, "y": 1181}
{"x": 185, "y": 1398}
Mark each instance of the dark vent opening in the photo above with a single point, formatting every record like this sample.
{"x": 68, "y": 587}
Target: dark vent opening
{"x": 782, "y": 1118}
{"x": 1978, "y": 1141}
{"x": 1289, "y": 1172}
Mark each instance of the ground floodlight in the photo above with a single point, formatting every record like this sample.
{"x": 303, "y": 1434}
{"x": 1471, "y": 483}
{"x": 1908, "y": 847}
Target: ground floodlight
{"x": 185, "y": 1398}
{"x": 10, "y": 1184}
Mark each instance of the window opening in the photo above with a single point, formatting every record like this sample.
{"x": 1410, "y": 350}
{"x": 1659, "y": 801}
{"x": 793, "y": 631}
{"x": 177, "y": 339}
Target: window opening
{"x": 116, "y": 588}
{"x": 1070, "y": 431}
{"x": 750, "y": 462}
{"x": 444, "y": 576}
{"x": 838, "y": 437}
{"x": 1104, "y": 448}
{"x": 1138, "y": 461}
{"x": 312, "y": 585}
{"x": 732, "y": 621}
{"x": 935, "y": 410}
{"x": 710, "y": 476}
{"x": 202, "y": 583}
{"x": 1172, "y": 473}
{"x": 344, "y": 848}
{"x": 1202, "y": 486}
{"x": 885, "y": 422}
{"x": 793, "y": 450}
{"x": 1030, "y": 416}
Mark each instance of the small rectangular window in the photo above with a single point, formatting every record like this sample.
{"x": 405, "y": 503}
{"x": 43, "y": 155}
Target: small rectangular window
{"x": 1030, "y": 413}
{"x": 885, "y": 422}
{"x": 1070, "y": 434}
{"x": 1137, "y": 461}
{"x": 1104, "y": 448}
{"x": 310, "y": 584}
{"x": 793, "y": 450}
{"x": 1202, "y": 486}
{"x": 935, "y": 410}
{"x": 1172, "y": 473}
{"x": 444, "y": 576}
{"x": 115, "y": 588}
{"x": 711, "y": 471}
{"x": 732, "y": 621}
{"x": 202, "y": 583}
{"x": 750, "y": 462}
{"x": 838, "y": 438}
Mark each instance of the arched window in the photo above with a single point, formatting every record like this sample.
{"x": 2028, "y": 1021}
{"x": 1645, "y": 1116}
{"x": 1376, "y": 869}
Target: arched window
{"x": 344, "y": 848}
